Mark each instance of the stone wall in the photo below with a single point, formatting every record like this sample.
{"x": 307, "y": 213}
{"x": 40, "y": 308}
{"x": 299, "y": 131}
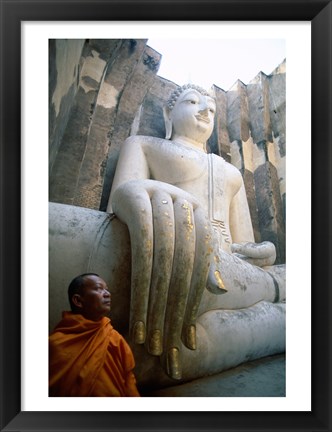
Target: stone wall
{"x": 102, "y": 91}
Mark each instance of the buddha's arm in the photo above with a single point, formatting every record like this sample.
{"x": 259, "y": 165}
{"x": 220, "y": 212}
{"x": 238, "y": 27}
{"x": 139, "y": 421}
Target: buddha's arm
{"x": 131, "y": 165}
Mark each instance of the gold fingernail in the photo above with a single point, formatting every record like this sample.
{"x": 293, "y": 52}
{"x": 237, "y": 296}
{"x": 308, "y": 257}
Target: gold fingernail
{"x": 155, "y": 346}
{"x": 191, "y": 337}
{"x": 219, "y": 280}
{"x": 139, "y": 332}
{"x": 173, "y": 363}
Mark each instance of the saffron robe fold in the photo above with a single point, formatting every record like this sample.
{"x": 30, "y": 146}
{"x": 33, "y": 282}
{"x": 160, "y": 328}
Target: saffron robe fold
{"x": 89, "y": 358}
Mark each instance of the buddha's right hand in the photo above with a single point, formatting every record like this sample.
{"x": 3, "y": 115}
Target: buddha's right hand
{"x": 171, "y": 244}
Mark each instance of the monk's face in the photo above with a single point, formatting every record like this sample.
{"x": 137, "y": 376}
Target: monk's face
{"x": 193, "y": 115}
{"x": 95, "y": 298}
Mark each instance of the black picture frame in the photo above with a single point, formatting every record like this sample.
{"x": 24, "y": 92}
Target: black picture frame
{"x": 319, "y": 13}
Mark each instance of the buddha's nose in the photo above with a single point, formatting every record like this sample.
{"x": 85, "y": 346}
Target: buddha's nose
{"x": 203, "y": 109}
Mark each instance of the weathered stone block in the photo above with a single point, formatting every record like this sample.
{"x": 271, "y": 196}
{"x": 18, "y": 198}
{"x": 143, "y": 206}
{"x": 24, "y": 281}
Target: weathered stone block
{"x": 105, "y": 47}
{"x": 249, "y": 183}
{"x": 219, "y": 141}
{"x": 67, "y": 166}
{"x": 277, "y": 109}
{"x": 259, "y": 115}
{"x": 150, "y": 119}
{"x": 64, "y": 57}
{"x": 237, "y": 112}
{"x": 270, "y": 208}
{"x": 130, "y": 98}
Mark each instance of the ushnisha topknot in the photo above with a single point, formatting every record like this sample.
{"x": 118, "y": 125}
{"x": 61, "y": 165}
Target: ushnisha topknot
{"x": 176, "y": 93}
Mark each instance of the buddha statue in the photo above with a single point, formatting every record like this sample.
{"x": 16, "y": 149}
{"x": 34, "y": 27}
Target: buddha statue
{"x": 191, "y": 237}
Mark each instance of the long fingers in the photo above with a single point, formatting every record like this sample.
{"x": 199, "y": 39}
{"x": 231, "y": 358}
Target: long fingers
{"x": 183, "y": 262}
{"x": 203, "y": 252}
{"x": 171, "y": 244}
{"x": 164, "y": 233}
{"x": 190, "y": 261}
{"x": 132, "y": 205}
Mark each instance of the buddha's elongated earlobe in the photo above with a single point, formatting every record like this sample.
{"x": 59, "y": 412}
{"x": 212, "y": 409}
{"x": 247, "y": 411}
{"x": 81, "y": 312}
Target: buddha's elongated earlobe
{"x": 168, "y": 122}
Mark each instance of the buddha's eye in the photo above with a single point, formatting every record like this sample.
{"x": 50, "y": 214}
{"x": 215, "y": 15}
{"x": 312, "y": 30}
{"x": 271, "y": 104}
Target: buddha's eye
{"x": 211, "y": 110}
{"x": 193, "y": 102}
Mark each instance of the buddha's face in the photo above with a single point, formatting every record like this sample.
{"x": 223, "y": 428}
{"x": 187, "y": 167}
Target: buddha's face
{"x": 193, "y": 116}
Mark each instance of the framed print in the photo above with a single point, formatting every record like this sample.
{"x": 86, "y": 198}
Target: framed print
{"x": 25, "y": 403}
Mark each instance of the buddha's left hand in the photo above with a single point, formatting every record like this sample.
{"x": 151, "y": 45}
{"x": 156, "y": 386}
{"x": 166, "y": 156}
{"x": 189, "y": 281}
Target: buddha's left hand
{"x": 259, "y": 254}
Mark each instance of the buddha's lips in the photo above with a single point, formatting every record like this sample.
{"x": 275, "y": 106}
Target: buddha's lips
{"x": 204, "y": 119}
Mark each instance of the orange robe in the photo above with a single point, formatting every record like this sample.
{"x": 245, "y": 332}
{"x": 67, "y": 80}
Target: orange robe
{"x": 89, "y": 358}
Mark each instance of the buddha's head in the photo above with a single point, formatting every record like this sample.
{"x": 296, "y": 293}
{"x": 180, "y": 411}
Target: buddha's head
{"x": 189, "y": 114}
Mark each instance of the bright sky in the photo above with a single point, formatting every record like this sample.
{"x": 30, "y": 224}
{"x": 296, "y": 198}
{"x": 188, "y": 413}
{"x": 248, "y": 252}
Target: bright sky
{"x": 217, "y": 61}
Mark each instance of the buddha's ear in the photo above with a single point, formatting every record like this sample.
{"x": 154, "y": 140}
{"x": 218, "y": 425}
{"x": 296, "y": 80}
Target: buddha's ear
{"x": 168, "y": 122}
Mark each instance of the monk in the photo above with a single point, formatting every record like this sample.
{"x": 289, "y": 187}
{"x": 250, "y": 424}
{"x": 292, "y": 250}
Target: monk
{"x": 87, "y": 357}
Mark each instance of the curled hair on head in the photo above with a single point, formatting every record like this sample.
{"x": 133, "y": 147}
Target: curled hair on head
{"x": 76, "y": 285}
{"x": 176, "y": 93}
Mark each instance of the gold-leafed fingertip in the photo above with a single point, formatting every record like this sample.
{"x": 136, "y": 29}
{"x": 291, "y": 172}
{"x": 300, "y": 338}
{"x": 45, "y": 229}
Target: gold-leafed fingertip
{"x": 173, "y": 363}
{"x": 190, "y": 337}
{"x": 219, "y": 280}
